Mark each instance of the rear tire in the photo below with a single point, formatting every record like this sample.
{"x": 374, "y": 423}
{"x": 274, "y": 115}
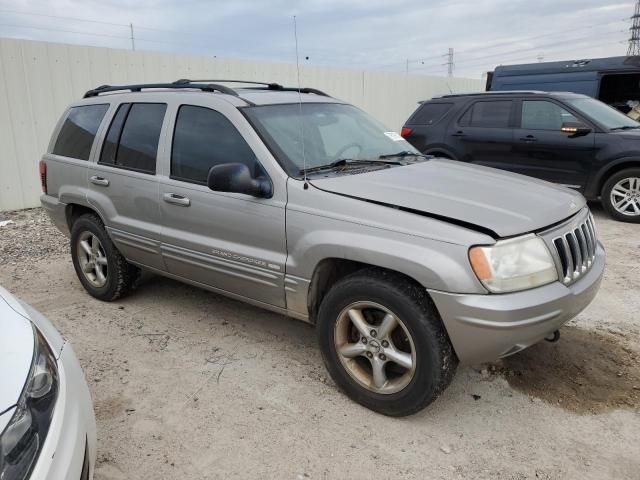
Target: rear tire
{"x": 100, "y": 267}
{"x": 394, "y": 372}
{"x": 621, "y": 195}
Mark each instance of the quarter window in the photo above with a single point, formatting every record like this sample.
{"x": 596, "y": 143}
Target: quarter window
{"x": 543, "y": 115}
{"x": 430, "y": 113}
{"x": 204, "y": 138}
{"x": 494, "y": 114}
{"x": 79, "y": 130}
{"x": 133, "y": 136}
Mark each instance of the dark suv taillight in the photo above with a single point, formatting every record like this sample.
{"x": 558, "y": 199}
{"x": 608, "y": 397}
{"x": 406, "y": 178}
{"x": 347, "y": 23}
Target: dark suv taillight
{"x": 43, "y": 175}
{"x": 406, "y": 131}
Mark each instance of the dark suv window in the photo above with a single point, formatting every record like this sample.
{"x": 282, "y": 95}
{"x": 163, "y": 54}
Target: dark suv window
{"x": 430, "y": 113}
{"x": 204, "y": 138}
{"x": 79, "y": 130}
{"x": 133, "y": 136}
{"x": 544, "y": 115}
{"x": 494, "y": 114}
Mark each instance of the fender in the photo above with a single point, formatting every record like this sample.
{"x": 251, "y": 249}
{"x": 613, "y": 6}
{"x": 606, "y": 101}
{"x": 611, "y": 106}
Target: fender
{"x": 595, "y": 185}
{"x": 438, "y": 148}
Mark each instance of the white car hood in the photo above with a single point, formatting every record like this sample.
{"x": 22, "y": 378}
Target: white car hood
{"x": 16, "y": 349}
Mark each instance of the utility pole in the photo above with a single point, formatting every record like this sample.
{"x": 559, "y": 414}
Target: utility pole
{"x": 407, "y": 67}
{"x": 634, "y": 41}
{"x": 133, "y": 40}
{"x": 449, "y": 63}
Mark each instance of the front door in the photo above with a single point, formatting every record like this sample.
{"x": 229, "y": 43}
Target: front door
{"x": 542, "y": 150}
{"x": 123, "y": 184}
{"x": 232, "y": 242}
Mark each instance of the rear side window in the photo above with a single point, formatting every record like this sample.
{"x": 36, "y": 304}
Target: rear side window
{"x": 494, "y": 114}
{"x": 133, "y": 136}
{"x": 430, "y": 113}
{"x": 204, "y": 138}
{"x": 79, "y": 130}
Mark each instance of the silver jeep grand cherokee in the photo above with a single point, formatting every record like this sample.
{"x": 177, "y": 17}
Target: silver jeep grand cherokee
{"x": 302, "y": 204}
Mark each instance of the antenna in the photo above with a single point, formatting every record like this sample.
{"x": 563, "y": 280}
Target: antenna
{"x": 304, "y": 157}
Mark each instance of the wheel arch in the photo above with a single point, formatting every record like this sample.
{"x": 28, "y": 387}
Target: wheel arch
{"x": 74, "y": 210}
{"x": 611, "y": 169}
{"x": 331, "y": 270}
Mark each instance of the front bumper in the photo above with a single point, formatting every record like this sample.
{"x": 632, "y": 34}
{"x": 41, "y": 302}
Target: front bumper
{"x": 72, "y": 434}
{"x": 486, "y": 327}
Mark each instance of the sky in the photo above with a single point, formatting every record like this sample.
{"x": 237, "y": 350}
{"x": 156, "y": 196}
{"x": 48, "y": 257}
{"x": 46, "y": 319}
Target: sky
{"x": 360, "y": 34}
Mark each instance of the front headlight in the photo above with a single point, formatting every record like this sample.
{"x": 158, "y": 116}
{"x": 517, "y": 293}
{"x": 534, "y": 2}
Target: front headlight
{"x": 22, "y": 439}
{"x": 515, "y": 264}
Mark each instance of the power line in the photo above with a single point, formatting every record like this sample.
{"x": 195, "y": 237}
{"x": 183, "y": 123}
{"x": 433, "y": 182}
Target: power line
{"x": 120, "y": 37}
{"x": 474, "y": 61}
{"x": 15, "y": 12}
{"x": 506, "y": 42}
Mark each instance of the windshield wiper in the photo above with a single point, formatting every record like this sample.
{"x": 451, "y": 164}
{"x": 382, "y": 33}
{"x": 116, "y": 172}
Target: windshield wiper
{"x": 626, "y": 127}
{"x": 343, "y": 162}
{"x": 404, "y": 153}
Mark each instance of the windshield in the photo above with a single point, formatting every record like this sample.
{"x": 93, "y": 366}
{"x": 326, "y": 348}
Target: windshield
{"x": 330, "y": 131}
{"x": 602, "y": 113}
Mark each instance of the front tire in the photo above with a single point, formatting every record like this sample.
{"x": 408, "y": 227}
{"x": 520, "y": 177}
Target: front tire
{"x": 621, "y": 195}
{"x": 100, "y": 267}
{"x": 384, "y": 344}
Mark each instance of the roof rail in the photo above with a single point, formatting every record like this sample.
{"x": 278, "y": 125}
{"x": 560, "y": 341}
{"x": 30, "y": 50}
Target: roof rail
{"x": 210, "y": 87}
{"x": 265, "y": 85}
{"x": 491, "y": 92}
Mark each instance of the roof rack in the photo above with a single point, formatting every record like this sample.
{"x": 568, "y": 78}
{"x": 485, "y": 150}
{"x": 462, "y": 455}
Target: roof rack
{"x": 264, "y": 85}
{"x": 209, "y": 87}
{"x": 491, "y": 92}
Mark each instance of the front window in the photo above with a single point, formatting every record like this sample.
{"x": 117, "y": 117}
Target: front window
{"x": 544, "y": 115}
{"x": 602, "y": 113}
{"x": 323, "y": 133}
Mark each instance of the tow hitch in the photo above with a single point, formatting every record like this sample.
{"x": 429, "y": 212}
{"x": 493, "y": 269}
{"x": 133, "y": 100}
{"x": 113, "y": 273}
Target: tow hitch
{"x": 554, "y": 337}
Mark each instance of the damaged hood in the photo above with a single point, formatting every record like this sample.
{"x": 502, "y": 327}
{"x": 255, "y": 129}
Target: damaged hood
{"x": 505, "y": 203}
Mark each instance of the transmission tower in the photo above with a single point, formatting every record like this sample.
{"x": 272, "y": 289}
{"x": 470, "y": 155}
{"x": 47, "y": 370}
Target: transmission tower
{"x": 634, "y": 41}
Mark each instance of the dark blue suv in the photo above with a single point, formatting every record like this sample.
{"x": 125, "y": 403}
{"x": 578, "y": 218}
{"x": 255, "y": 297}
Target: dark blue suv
{"x": 565, "y": 138}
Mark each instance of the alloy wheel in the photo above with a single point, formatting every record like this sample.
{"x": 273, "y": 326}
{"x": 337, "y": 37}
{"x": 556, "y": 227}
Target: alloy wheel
{"x": 92, "y": 259}
{"x": 375, "y": 347}
{"x": 625, "y": 196}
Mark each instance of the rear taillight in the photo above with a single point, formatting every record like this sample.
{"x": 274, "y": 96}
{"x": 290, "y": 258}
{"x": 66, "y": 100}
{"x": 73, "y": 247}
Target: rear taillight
{"x": 43, "y": 175}
{"x": 406, "y": 131}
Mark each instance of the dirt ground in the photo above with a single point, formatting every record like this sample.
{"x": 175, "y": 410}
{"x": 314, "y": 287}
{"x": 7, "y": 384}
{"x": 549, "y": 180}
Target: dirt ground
{"x": 189, "y": 384}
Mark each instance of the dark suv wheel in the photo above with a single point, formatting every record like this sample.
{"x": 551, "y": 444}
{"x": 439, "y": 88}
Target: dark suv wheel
{"x": 621, "y": 195}
{"x": 384, "y": 344}
{"x": 101, "y": 268}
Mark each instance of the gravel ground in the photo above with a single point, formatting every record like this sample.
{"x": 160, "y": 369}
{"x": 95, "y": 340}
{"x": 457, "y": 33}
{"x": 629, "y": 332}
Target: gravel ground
{"x": 188, "y": 384}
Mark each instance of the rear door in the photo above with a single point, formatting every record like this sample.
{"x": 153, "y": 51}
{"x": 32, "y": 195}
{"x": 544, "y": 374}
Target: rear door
{"x": 123, "y": 185}
{"x": 232, "y": 242}
{"x": 483, "y": 134}
{"x": 542, "y": 150}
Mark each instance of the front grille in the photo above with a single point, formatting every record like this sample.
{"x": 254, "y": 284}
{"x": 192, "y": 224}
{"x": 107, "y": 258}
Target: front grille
{"x": 577, "y": 250}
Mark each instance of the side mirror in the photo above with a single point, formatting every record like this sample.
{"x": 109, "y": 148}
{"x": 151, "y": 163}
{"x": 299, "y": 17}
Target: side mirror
{"x": 236, "y": 178}
{"x": 575, "y": 129}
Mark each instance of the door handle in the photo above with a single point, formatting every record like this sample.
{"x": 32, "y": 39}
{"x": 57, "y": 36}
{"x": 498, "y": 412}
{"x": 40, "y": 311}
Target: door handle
{"x": 528, "y": 139}
{"x": 96, "y": 180}
{"x": 176, "y": 199}
{"x": 459, "y": 133}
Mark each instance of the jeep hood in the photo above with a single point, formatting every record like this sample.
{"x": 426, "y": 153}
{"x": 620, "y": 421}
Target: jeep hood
{"x": 482, "y": 198}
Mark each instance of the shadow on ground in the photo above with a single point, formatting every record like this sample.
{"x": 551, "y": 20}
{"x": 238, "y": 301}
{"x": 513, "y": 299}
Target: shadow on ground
{"x": 585, "y": 372}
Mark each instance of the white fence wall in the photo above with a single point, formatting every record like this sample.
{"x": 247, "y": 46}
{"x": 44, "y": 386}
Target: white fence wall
{"x": 38, "y": 80}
